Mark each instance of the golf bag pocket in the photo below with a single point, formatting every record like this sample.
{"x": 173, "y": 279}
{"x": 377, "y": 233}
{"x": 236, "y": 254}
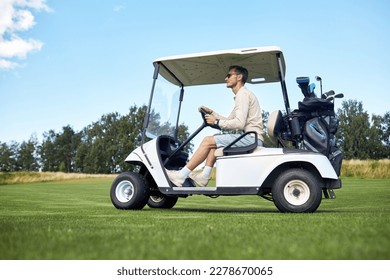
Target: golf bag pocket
{"x": 315, "y": 136}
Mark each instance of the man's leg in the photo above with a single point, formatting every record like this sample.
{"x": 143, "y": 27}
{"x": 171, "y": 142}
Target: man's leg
{"x": 210, "y": 160}
{"x": 203, "y": 178}
{"x": 205, "y": 151}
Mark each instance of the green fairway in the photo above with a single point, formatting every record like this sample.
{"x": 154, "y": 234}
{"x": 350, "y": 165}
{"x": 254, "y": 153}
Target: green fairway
{"x": 76, "y": 220}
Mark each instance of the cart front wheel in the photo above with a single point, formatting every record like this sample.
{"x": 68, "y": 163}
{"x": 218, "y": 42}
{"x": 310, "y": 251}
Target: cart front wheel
{"x": 129, "y": 191}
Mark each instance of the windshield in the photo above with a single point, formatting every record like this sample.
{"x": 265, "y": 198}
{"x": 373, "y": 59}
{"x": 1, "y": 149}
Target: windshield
{"x": 165, "y": 103}
{"x": 164, "y": 109}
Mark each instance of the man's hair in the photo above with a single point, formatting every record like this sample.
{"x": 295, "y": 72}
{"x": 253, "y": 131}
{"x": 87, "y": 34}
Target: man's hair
{"x": 240, "y": 70}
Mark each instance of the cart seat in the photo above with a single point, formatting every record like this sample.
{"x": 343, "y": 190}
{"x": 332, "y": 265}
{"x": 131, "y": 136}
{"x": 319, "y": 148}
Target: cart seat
{"x": 231, "y": 150}
{"x": 219, "y": 152}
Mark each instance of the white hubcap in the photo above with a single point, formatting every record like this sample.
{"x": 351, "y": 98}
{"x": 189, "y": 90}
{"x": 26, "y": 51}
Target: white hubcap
{"x": 124, "y": 191}
{"x": 296, "y": 192}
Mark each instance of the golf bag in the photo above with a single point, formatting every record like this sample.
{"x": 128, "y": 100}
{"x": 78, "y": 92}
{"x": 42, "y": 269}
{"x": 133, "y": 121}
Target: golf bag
{"x": 313, "y": 125}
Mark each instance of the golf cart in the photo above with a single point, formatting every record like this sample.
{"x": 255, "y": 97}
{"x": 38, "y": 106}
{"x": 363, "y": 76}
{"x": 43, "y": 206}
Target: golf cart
{"x": 303, "y": 164}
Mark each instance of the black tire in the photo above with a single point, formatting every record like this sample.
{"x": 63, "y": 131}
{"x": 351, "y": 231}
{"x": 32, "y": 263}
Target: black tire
{"x": 129, "y": 191}
{"x": 297, "y": 191}
{"x": 162, "y": 201}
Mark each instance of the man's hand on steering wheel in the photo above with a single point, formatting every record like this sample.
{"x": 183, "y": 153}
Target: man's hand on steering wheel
{"x": 205, "y": 109}
{"x": 208, "y": 118}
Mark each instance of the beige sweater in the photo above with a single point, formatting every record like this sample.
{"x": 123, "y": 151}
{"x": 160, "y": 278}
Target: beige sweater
{"x": 246, "y": 114}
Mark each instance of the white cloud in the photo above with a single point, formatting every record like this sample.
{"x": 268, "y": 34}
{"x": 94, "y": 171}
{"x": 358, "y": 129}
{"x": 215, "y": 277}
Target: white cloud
{"x": 17, "y": 16}
{"x": 6, "y": 64}
{"x": 18, "y": 48}
{"x": 23, "y": 20}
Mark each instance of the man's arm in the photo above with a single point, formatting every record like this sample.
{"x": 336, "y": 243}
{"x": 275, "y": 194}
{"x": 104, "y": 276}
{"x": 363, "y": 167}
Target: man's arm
{"x": 237, "y": 118}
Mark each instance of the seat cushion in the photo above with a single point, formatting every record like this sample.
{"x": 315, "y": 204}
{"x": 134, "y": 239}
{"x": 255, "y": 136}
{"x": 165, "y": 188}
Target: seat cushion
{"x": 219, "y": 152}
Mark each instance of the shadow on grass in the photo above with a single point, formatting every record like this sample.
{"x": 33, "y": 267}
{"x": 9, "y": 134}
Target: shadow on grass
{"x": 248, "y": 210}
{"x": 224, "y": 210}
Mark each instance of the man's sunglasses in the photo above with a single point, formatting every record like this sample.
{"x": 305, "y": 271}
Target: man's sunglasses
{"x": 229, "y": 75}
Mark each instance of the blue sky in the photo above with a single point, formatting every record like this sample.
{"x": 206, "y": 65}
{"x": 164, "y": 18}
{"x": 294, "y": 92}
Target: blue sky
{"x": 69, "y": 62}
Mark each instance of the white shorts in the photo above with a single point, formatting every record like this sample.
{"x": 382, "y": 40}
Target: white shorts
{"x": 223, "y": 140}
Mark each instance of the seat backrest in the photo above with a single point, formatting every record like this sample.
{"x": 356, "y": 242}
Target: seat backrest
{"x": 275, "y": 122}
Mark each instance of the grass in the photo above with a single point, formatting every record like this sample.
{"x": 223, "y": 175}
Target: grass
{"x": 75, "y": 219}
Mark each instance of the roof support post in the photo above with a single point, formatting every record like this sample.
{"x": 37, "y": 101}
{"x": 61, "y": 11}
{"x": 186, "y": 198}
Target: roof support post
{"x": 178, "y": 112}
{"x": 146, "y": 119}
{"x": 283, "y": 84}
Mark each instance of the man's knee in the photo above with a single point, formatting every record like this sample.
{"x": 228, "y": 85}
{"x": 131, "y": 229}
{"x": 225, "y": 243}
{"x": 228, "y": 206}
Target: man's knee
{"x": 209, "y": 141}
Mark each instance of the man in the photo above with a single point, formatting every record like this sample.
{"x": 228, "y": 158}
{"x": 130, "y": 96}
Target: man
{"x": 246, "y": 116}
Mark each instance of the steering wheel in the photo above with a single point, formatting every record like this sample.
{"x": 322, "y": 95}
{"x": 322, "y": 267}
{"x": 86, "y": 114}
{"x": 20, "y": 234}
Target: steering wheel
{"x": 204, "y": 113}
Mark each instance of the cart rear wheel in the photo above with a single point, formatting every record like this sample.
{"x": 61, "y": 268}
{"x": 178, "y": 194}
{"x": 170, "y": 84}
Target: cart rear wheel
{"x": 129, "y": 191}
{"x": 162, "y": 201}
{"x": 297, "y": 190}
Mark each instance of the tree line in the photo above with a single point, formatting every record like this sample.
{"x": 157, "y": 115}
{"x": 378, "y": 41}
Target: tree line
{"x": 102, "y": 146}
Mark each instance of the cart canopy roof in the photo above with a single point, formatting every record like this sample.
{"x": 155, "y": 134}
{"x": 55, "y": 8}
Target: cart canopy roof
{"x": 212, "y": 67}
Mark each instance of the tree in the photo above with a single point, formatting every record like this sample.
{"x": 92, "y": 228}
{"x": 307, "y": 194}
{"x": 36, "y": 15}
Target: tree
{"x": 386, "y": 129}
{"x": 354, "y": 130}
{"x": 381, "y": 124}
{"x": 27, "y": 158}
{"x": 357, "y": 137}
{"x": 8, "y": 157}
{"x": 106, "y": 143}
{"x": 183, "y": 135}
{"x": 66, "y": 145}
{"x": 47, "y": 152}
{"x": 377, "y": 147}
{"x": 57, "y": 150}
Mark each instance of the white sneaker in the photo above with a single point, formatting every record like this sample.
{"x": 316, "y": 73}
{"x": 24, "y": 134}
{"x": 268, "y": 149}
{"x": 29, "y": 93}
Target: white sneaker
{"x": 175, "y": 178}
{"x": 199, "y": 179}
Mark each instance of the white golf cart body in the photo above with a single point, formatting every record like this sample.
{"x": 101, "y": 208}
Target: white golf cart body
{"x": 249, "y": 173}
{"x": 237, "y": 174}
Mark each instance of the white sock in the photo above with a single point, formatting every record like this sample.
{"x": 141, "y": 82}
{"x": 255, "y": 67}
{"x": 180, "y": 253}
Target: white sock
{"x": 207, "y": 171}
{"x": 184, "y": 172}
